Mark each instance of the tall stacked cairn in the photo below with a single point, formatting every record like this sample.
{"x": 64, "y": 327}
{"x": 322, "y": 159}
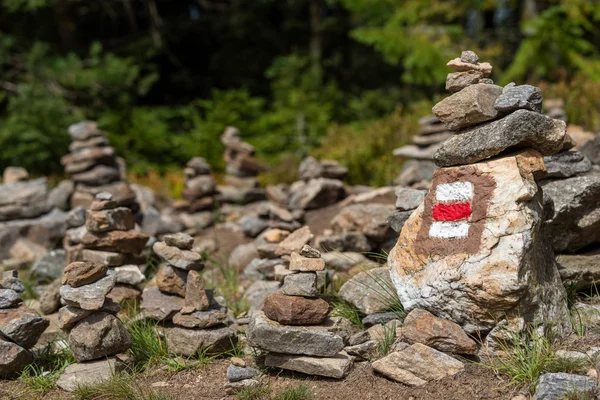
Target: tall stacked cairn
{"x": 20, "y": 326}
{"x": 241, "y": 186}
{"x": 474, "y": 251}
{"x": 294, "y": 328}
{"x": 198, "y": 196}
{"x": 94, "y": 168}
{"x": 109, "y": 238}
{"x": 95, "y": 335}
{"x": 194, "y": 320}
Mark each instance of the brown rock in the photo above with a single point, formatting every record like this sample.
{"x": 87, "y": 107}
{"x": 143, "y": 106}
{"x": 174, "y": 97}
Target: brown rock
{"x": 201, "y": 319}
{"x": 294, "y": 241}
{"x": 81, "y": 273}
{"x": 119, "y": 218}
{"x": 160, "y": 306}
{"x": 457, "y": 81}
{"x": 180, "y": 240}
{"x": 458, "y": 65}
{"x": 472, "y": 105}
{"x": 13, "y": 358}
{"x": 98, "y": 335}
{"x": 294, "y": 310}
{"x": 421, "y": 326}
{"x": 130, "y": 242}
{"x": 22, "y": 325}
{"x": 122, "y": 293}
{"x": 305, "y": 264}
{"x": 275, "y": 235}
{"x": 195, "y": 292}
{"x": 171, "y": 280}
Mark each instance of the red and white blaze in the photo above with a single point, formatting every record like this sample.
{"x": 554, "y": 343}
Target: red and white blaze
{"x": 451, "y": 210}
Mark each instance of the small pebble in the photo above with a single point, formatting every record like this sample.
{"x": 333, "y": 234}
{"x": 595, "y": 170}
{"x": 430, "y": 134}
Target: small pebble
{"x": 238, "y": 362}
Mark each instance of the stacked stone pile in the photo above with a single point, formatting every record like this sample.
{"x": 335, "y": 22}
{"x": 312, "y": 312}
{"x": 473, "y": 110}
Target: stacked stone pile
{"x": 294, "y": 328}
{"x": 474, "y": 251}
{"x": 94, "y": 167}
{"x": 20, "y": 327}
{"x": 240, "y": 376}
{"x": 95, "y": 335}
{"x": 198, "y": 196}
{"x": 109, "y": 238}
{"x": 418, "y": 169}
{"x": 30, "y": 212}
{"x": 194, "y": 319}
{"x": 242, "y": 167}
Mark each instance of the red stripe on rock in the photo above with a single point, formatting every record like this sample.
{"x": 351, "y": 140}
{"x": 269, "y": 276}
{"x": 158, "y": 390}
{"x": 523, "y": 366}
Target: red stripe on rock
{"x": 451, "y": 212}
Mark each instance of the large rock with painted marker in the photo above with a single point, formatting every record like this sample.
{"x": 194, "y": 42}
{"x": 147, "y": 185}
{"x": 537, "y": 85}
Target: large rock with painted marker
{"x": 474, "y": 253}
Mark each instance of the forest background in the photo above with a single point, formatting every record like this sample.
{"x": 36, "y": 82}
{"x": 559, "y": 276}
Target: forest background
{"x": 339, "y": 79}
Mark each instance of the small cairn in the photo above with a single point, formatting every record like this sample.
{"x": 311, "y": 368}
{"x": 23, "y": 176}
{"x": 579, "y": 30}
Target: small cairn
{"x": 94, "y": 168}
{"x": 241, "y": 186}
{"x": 193, "y": 317}
{"x": 198, "y": 196}
{"x": 109, "y": 238}
{"x": 95, "y": 335}
{"x": 240, "y": 376}
{"x": 20, "y": 326}
{"x": 293, "y": 327}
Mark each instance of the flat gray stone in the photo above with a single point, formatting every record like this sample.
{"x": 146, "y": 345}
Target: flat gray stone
{"x": 521, "y": 129}
{"x": 336, "y": 366}
{"x": 175, "y": 257}
{"x": 236, "y": 374}
{"x": 188, "y": 342}
{"x": 160, "y": 306}
{"x": 522, "y": 97}
{"x": 180, "y": 240}
{"x": 50, "y": 266}
{"x": 89, "y": 373}
{"x": 558, "y": 386}
{"x": 408, "y": 199}
{"x": 89, "y": 297}
{"x": 9, "y": 298}
{"x": 566, "y": 164}
{"x": 22, "y": 325}
{"x": 300, "y": 284}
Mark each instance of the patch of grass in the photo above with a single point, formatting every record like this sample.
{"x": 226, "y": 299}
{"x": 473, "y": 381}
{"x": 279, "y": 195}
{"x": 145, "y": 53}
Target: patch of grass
{"x": 147, "y": 347}
{"x": 258, "y": 392}
{"x": 577, "y": 321}
{"x": 341, "y": 308}
{"x": 388, "y": 339}
{"x": 41, "y": 376}
{"x": 119, "y": 387}
{"x": 237, "y": 349}
{"x": 29, "y": 284}
{"x": 228, "y": 287}
{"x": 300, "y": 392}
{"x": 526, "y": 357}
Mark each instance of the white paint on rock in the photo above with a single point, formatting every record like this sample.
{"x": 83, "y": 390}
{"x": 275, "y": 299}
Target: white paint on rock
{"x": 449, "y": 230}
{"x": 454, "y": 191}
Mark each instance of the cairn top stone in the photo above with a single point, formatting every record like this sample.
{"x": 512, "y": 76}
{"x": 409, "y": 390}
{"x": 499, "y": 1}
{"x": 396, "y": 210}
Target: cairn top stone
{"x": 469, "y": 56}
{"x": 180, "y": 240}
{"x": 459, "y": 65}
{"x": 104, "y": 196}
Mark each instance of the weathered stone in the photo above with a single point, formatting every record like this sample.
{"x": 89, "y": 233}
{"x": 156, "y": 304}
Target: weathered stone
{"x": 310, "y": 168}
{"x": 415, "y": 172}
{"x": 460, "y": 65}
{"x": 130, "y": 242}
{"x": 275, "y": 235}
{"x": 109, "y": 258}
{"x": 10, "y": 280}
{"x": 579, "y": 271}
{"x": 369, "y": 291}
{"x": 517, "y": 130}
{"x": 412, "y": 151}
{"x": 9, "y": 298}
{"x": 182, "y": 241}
{"x": 195, "y": 292}
{"x": 379, "y": 319}
{"x": 130, "y": 275}
{"x": 236, "y": 374}
{"x": 365, "y": 351}
{"x": 50, "y": 298}
{"x": 397, "y": 220}
{"x": 495, "y": 263}
{"x": 119, "y": 218}
{"x": 25, "y": 199}
{"x": 121, "y": 293}
{"x": 566, "y": 164}
{"x": 188, "y": 342}
{"x": 175, "y": 257}
{"x": 294, "y": 242}
{"x": 457, "y": 81}
{"x": 50, "y": 266}
{"x": 337, "y": 366}
{"x": 305, "y": 264}
{"x": 89, "y": 373}
{"x": 22, "y": 325}
{"x": 256, "y": 293}
{"x": 469, "y": 56}
{"x": 369, "y": 219}
{"x": 202, "y": 185}
{"x": 324, "y": 340}
{"x": 91, "y": 296}
{"x": 68, "y": 316}
{"x": 417, "y": 365}
{"x": 522, "y": 97}
{"x": 14, "y": 174}
{"x": 591, "y": 149}
{"x": 201, "y": 319}
{"x": 171, "y": 280}
{"x": 300, "y": 284}
{"x": 408, "y": 199}
{"x": 472, "y": 105}
{"x": 310, "y": 252}
{"x": 295, "y": 310}
{"x": 317, "y": 193}
{"x": 558, "y": 386}
{"x": 344, "y": 261}
{"x": 421, "y": 326}
{"x": 98, "y": 335}
{"x": 160, "y": 306}
{"x": 574, "y": 218}
{"x": 13, "y": 359}
{"x": 81, "y": 273}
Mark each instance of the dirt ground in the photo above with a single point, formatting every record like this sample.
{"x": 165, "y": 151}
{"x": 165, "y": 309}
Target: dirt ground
{"x": 208, "y": 382}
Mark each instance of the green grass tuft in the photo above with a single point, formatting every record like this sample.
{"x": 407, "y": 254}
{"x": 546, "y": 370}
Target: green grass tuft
{"x": 41, "y": 376}
{"x": 388, "y": 339}
{"x": 119, "y": 387}
{"x": 342, "y": 308}
{"x": 300, "y": 392}
{"x": 258, "y": 392}
{"x": 147, "y": 347}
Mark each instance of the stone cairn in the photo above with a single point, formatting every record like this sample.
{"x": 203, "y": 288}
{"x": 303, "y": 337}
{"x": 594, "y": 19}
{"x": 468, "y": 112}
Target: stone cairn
{"x": 20, "y": 327}
{"x": 198, "y": 196}
{"x": 474, "y": 251}
{"x": 109, "y": 238}
{"x": 95, "y": 335}
{"x": 293, "y": 327}
{"x": 241, "y": 186}
{"x": 194, "y": 319}
{"x": 94, "y": 168}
